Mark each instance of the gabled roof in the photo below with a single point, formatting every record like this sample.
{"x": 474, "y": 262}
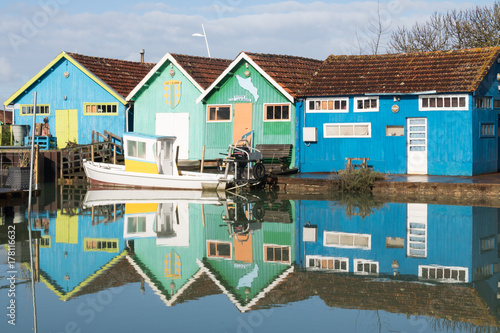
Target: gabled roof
{"x": 441, "y": 71}
{"x": 118, "y": 77}
{"x": 200, "y": 71}
{"x": 288, "y": 74}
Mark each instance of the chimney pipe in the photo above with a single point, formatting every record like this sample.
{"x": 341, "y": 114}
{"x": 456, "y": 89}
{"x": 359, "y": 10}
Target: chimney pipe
{"x": 142, "y": 55}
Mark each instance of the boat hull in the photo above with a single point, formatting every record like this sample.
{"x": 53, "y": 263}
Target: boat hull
{"x": 114, "y": 175}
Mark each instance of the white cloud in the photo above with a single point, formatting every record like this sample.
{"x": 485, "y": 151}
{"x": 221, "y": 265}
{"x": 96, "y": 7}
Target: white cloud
{"x": 31, "y": 37}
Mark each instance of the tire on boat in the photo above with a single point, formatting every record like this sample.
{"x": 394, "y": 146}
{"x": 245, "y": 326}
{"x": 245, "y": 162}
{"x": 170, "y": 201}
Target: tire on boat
{"x": 259, "y": 171}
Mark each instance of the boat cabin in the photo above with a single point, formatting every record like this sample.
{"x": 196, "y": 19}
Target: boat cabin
{"x": 149, "y": 153}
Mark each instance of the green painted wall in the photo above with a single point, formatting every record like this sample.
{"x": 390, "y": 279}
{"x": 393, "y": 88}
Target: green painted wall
{"x": 150, "y": 100}
{"x": 219, "y": 135}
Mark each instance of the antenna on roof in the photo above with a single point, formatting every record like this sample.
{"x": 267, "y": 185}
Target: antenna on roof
{"x": 203, "y": 35}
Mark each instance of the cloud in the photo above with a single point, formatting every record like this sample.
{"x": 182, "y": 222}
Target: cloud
{"x": 31, "y": 35}
{"x": 6, "y": 70}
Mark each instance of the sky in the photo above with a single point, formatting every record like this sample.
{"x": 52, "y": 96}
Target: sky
{"x": 34, "y": 32}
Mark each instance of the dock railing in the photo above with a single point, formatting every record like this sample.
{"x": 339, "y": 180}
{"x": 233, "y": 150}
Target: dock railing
{"x": 72, "y": 158}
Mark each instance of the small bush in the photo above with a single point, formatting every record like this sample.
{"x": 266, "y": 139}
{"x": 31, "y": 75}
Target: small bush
{"x": 355, "y": 180}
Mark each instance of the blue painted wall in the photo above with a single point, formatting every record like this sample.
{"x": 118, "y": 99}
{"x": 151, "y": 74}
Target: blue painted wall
{"x": 78, "y": 88}
{"x": 58, "y": 260}
{"x": 453, "y": 235}
{"x": 455, "y": 146}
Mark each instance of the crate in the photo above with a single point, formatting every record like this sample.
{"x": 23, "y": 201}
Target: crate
{"x": 43, "y": 142}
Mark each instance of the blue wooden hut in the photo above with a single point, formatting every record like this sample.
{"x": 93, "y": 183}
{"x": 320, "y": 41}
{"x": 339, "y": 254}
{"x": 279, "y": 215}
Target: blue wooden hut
{"x": 78, "y": 94}
{"x": 433, "y": 113}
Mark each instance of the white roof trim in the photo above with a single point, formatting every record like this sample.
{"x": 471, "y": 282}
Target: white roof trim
{"x": 244, "y": 56}
{"x": 257, "y": 297}
{"x": 166, "y": 57}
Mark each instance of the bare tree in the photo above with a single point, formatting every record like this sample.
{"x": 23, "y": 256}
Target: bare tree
{"x": 456, "y": 29}
{"x": 375, "y": 30}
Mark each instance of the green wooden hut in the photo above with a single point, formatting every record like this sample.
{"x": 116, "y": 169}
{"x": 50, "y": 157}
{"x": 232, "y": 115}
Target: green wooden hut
{"x": 255, "y": 94}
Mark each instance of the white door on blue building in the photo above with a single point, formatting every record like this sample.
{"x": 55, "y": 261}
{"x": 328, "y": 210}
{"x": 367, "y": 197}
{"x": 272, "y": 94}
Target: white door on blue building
{"x": 417, "y": 146}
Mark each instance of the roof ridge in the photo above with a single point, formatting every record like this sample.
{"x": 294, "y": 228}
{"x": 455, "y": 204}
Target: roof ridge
{"x": 106, "y": 58}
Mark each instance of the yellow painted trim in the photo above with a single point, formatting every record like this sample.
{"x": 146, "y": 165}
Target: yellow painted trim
{"x": 64, "y": 296}
{"x": 140, "y": 166}
{"x": 31, "y": 114}
{"x": 90, "y": 239}
{"x": 99, "y": 114}
{"x": 45, "y": 246}
{"x": 76, "y": 64}
{"x": 137, "y": 208}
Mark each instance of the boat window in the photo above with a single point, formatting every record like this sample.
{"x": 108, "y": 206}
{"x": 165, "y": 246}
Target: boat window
{"x": 136, "y": 149}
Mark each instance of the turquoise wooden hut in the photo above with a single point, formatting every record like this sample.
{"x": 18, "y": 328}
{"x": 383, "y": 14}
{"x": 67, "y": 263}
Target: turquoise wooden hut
{"x": 165, "y": 100}
{"x": 78, "y": 94}
{"x": 255, "y": 94}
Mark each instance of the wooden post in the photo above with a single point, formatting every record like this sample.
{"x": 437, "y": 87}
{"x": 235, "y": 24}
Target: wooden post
{"x": 114, "y": 154}
{"x": 203, "y": 212}
{"x": 92, "y": 153}
{"x": 202, "y": 159}
{"x": 176, "y": 160}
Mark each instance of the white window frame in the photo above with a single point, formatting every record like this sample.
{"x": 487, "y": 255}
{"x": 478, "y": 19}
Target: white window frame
{"x": 320, "y": 259}
{"x": 327, "y": 100}
{"x": 443, "y": 108}
{"x": 364, "y": 98}
{"x": 353, "y": 246}
{"x": 444, "y": 279}
{"x": 347, "y": 136}
{"x": 363, "y": 262}
{"x": 277, "y": 120}
{"x": 217, "y": 106}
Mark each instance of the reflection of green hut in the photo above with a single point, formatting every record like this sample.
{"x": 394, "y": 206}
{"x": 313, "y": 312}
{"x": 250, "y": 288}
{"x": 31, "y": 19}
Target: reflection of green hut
{"x": 68, "y": 239}
{"x": 167, "y": 267}
{"x": 249, "y": 264}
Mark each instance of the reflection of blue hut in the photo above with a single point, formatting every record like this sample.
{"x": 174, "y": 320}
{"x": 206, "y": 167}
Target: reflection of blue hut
{"x": 433, "y": 242}
{"x": 69, "y": 239}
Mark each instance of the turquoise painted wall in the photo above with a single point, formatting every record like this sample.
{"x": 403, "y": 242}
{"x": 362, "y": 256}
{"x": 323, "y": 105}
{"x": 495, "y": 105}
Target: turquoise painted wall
{"x": 78, "y": 88}
{"x": 150, "y": 100}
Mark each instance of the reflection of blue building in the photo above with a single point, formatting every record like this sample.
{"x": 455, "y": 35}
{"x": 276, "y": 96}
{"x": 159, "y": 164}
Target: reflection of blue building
{"x": 74, "y": 249}
{"x": 434, "y": 242}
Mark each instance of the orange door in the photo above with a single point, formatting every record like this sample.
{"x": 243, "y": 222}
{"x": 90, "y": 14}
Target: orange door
{"x": 242, "y": 120}
{"x": 243, "y": 248}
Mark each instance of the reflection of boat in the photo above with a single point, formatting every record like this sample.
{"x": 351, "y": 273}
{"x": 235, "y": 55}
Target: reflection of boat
{"x": 149, "y": 163}
{"x": 159, "y": 214}
{"x": 107, "y": 196}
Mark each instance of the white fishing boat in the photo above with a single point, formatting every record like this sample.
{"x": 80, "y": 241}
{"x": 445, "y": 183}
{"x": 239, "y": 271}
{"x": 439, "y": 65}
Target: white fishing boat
{"x": 150, "y": 163}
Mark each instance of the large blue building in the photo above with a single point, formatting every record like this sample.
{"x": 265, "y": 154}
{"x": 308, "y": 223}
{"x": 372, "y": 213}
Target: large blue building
{"x": 430, "y": 113}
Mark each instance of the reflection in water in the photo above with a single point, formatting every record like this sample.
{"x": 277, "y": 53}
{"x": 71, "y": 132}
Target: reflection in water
{"x": 440, "y": 263}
